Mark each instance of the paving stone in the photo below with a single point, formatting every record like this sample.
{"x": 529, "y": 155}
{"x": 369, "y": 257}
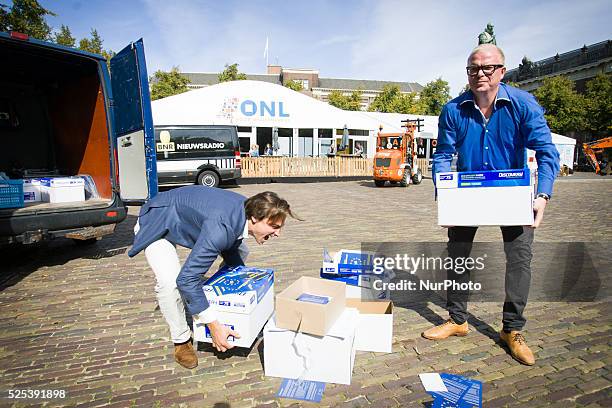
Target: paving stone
{"x": 86, "y": 319}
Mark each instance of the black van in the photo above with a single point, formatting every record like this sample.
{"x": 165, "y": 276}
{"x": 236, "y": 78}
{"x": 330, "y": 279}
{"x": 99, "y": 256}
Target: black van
{"x": 203, "y": 155}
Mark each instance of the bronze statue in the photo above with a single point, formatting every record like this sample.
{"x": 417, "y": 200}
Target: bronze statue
{"x": 487, "y": 36}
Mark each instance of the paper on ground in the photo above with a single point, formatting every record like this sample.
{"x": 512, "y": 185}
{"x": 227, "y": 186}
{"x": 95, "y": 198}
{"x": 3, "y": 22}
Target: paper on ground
{"x": 432, "y": 382}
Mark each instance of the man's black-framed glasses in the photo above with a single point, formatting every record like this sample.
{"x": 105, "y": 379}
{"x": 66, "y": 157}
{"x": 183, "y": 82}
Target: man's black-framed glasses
{"x": 488, "y": 70}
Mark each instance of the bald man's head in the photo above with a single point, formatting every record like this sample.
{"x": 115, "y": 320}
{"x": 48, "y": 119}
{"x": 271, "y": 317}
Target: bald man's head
{"x": 488, "y": 48}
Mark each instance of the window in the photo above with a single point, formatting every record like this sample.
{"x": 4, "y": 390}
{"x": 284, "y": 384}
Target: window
{"x": 244, "y": 129}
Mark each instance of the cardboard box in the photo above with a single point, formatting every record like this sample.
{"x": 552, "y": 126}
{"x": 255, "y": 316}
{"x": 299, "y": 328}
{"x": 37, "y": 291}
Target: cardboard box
{"x": 308, "y": 316}
{"x": 248, "y": 325}
{"x": 348, "y": 261}
{"x": 289, "y": 354}
{"x": 360, "y": 285}
{"x": 243, "y": 297}
{"x": 32, "y": 190}
{"x": 62, "y": 189}
{"x": 485, "y": 198}
{"x": 238, "y": 289}
{"x": 375, "y": 325}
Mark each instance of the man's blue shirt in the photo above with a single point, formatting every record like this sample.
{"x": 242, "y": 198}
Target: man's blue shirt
{"x": 517, "y": 123}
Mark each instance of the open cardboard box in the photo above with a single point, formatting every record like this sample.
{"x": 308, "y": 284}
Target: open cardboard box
{"x": 307, "y": 317}
{"x": 375, "y": 325}
{"x": 330, "y": 358}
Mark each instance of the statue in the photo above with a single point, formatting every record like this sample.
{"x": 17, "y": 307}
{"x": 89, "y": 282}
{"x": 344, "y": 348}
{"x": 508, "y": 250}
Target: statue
{"x": 487, "y": 36}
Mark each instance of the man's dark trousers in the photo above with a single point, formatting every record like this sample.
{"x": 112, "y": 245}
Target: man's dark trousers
{"x": 518, "y": 241}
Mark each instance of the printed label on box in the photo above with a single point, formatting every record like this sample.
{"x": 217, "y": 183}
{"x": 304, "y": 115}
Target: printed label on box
{"x": 302, "y": 390}
{"x": 307, "y": 297}
{"x": 238, "y": 288}
{"x": 208, "y": 336}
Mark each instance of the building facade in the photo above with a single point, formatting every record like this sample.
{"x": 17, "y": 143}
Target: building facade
{"x": 579, "y": 65}
{"x": 313, "y": 85}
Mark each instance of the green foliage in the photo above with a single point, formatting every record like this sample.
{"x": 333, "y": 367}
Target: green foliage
{"x": 93, "y": 44}
{"x": 26, "y": 16}
{"x": 230, "y": 73}
{"x": 565, "y": 108}
{"x": 599, "y": 105}
{"x": 392, "y": 100}
{"x": 384, "y": 100}
{"x": 64, "y": 37}
{"x": 295, "y": 85}
{"x": 164, "y": 84}
{"x": 434, "y": 96}
{"x": 351, "y": 102}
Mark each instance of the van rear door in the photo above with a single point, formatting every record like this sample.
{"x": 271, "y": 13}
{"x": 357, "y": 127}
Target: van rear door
{"x": 133, "y": 125}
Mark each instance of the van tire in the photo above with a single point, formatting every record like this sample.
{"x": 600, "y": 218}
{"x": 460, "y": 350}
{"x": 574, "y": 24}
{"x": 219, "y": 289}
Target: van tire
{"x": 208, "y": 178}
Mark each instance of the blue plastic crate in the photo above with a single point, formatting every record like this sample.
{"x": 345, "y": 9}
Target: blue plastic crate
{"x": 11, "y": 193}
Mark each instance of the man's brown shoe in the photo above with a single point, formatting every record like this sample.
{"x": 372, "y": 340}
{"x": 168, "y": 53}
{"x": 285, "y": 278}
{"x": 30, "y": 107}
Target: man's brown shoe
{"x": 185, "y": 355}
{"x": 446, "y": 329}
{"x": 518, "y": 347}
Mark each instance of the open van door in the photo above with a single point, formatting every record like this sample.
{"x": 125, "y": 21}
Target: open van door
{"x": 133, "y": 125}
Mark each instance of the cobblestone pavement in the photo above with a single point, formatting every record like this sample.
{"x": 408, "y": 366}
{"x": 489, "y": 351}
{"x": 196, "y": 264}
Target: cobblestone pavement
{"x": 84, "y": 319}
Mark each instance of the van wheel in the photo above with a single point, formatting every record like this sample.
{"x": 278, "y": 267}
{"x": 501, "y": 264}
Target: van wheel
{"x": 405, "y": 177}
{"x": 418, "y": 177}
{"x": 208, "y": 178}
{"x": 379, "y": 183}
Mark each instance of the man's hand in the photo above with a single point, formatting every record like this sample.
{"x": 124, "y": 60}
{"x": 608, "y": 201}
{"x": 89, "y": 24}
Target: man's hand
{"x": 538, "y": 210}
{"x": 219, "y": 334}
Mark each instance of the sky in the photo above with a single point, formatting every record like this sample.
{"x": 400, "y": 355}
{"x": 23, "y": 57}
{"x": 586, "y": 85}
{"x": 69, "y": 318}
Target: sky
{"x": 411, "y": 41}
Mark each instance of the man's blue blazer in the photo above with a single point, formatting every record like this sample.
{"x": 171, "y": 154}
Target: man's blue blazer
{"x": 210, "y": 221}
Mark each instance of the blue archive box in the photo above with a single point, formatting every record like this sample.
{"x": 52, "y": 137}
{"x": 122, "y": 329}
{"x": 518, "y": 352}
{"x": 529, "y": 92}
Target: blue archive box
{"x": 238, "y": 289}
{"x": 348, "y": 262}
{"x": 474, "y": 198}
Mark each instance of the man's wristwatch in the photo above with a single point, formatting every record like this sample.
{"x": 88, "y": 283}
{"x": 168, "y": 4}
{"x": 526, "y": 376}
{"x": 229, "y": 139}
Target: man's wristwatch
{"x": 544, "y": 196}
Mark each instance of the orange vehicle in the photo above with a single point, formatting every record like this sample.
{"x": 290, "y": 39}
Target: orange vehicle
{"x": 395, "y": 158}
{"x": 601, "y": 147}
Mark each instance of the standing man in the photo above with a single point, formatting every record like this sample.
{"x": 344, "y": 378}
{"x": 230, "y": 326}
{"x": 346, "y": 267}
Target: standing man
{"x": 211, "y": 222}
{"x": 489, "y": 128}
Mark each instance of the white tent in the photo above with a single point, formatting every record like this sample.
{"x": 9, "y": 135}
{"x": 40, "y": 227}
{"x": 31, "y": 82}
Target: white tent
{"x": 257, "y": 104}
{"x": 566, "y": 147}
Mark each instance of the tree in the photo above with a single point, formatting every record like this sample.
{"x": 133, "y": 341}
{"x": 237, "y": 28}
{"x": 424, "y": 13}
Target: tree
{"x": 434, "y": 96}
{"x": 338, "y": 99}
{"x": 599, "y": 105}
{"x": 64, "y": 37}
{"x": 165, "y": 84}
{"x": 295, "y": 85}
{"x": 384, "y": 100}
{"x": 350, "y": 102}
{"x": 230, "y": 73}
{"x": 564, "y": 107}
{"x": 354, "y": 100}
{"x": 93, "y": 45}
{"x": 408, "y": 103}
{"x": 28, "y": 17}
{"x": 391, "y": 99}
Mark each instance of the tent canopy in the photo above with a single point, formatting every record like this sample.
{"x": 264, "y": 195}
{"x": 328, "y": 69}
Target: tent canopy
{"x": 255, "y": 103}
